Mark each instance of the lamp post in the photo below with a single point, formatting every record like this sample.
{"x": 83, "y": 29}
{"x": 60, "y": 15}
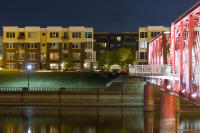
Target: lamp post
{"x": 29, "y": 68}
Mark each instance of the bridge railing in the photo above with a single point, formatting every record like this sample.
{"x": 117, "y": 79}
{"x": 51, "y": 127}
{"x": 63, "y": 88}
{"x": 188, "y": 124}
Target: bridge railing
{"x": 149, "y": 69}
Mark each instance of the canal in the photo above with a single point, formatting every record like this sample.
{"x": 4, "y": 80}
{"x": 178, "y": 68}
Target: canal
{"x": 29, "y": 119}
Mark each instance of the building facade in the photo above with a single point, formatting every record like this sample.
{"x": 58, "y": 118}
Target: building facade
{"x": 114, "y": 41}
{"x": 146, "y": 34}
{"x": 46, "y": 48}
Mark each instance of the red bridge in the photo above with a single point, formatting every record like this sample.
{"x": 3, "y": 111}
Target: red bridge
{"x": 178, "y": 49}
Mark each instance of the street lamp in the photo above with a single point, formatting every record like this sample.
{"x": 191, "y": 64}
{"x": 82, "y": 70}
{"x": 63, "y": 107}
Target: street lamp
{"x": 29, "y": 68}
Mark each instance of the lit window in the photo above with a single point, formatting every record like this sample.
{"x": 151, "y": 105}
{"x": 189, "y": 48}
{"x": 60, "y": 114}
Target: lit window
{"x": 32, "y": 56}
{"x": 10, "y": 45}
{"x": 76, "y": 56}
{"x": 10, "y": 56}
{"x": 103, "y": 45}
{"x": 88, "y": 45}
{"x": 32, "y": 45}
{"x": 143, "y": 44}
{"x": 118, "y": 38}
{"x": 11, "y": 65}
{"x": 54, "y": 56}
{"x": 54, "y": 66}
{"x": 32, "y": 35}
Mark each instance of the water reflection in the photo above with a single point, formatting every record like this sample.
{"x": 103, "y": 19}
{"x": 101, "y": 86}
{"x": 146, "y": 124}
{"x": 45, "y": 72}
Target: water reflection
{"x": 71, "y": 120}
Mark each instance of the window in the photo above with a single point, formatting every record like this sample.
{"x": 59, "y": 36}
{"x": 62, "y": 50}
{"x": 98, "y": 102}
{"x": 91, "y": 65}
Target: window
{"x": 76, "y": 56}
{"x": 141, "y": 55}
{"x": 88, "y": 45}
{"x": 65, "y": 36}
{"x": 43, "y": 44}
{"x": 143, "y": 34}
{"x": 10, "y": 34}
{"x": 54, "y": 34}
{"x": 43, "y": 57}
{"x": 76, "y": 34}
{"x": 143, "y": 44}
{"x": 118, "y": 38}
{"x": 53, "y": 45}
{"x": 154, "y": 34}
{"x": 88, "y": 34}
{"x": 127, "y": 45}
{"x": 54, "y": 66}
{"x": 65, "y": 56}
{"x": 32, "y": 45}
{"x": 112, "y": 46}
{"x": 88, "y": 55}
{"x": 21, "y": 35}
{"x": 10, "y": 56}
{"x": 32, "y": 34}
{"x": 11, "y": 65}
{"x": 54, "y": 56}
{"x": 43, "y": 34}
{"x": 103, "y": 44}
{"x": 77, "y": 66}
{"x": 76, "y": 46}
{"x": 128, "y": 38}
{"x": 32, "y": 56}
{"x": 65, "y": 46}
{"x": 21, "y": 46}
{"x": 10, "y": 45}
{"x": 21, "y": 57}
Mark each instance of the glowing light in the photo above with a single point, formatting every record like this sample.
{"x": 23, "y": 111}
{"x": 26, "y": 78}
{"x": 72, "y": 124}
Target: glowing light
{"x": 29, "y": 130}
{"x": 167, "y": 32}
{"x": 62, "y": 65}
{"x": 29, "y": 67}
{"x": 194, "y": 95}
{"x": 169, "y": 86}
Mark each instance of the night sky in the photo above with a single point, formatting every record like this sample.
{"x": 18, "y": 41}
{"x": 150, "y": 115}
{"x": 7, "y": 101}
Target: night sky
{"x": 103, "y": 15}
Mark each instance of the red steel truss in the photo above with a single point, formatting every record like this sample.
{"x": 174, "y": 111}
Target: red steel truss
{"x": 183, "y": 53}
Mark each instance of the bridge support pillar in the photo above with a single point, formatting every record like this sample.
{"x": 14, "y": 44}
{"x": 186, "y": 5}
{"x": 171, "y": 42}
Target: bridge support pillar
{"x": 148, "y": 122}
{"x": 167, "y": 114}
{"x": 148, "y": 98}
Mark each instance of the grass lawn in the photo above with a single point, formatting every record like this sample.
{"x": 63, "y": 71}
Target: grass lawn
{"x": 52, "y": 79}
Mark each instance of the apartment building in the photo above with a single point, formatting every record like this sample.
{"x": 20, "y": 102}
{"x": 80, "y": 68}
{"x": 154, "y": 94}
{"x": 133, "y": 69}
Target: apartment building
{"x": 46, "y": 48}
{"x": 146, "y": 34}
{"x": 114, "y": 41}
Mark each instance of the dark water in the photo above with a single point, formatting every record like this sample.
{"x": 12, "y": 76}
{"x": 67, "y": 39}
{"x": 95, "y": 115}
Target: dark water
{"x": 100, "y": 120}
{"x": 89, "y": 120}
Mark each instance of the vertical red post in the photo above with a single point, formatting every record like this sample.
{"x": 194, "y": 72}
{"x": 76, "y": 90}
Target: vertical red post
{"x": 160, "y": 45}
{"x": 190, "y": 44}
{"x": 156, "y": 51}
{"x": 153, "y": 54}
{"x": 167, "y": 114}
{"x": 181, "y": 56}
{"x": 148, "y": 98}
{"x": 174, "y": 40}
{"x": 148, "y": 122}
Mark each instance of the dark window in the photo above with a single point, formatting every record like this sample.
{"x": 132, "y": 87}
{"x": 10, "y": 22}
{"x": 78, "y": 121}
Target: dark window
{"x": 43, "y": 44}
{"x": 65, "y": 56}
{"x": 76, "y": 34}
{"x": 143, "y": 34}
{"x": 65, "y": 46}
{"x": 112, "y": 46}
{"x": 43, "y": 34}
{"x": 141, "y": 55}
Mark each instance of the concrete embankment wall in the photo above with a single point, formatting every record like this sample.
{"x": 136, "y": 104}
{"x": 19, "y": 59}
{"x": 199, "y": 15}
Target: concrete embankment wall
{"x": 68, "y": 99}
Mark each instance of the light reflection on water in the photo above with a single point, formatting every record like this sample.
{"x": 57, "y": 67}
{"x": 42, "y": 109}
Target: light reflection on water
{"x": 91, "y": 120}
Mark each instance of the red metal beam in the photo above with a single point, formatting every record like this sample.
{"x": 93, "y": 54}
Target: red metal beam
{"x": 181, "y": 56}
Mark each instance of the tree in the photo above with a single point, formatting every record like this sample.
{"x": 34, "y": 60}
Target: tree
{"x": 68, "y": 63}
{"x": 126, "y": 57}
{"x": 106, "y": 59}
